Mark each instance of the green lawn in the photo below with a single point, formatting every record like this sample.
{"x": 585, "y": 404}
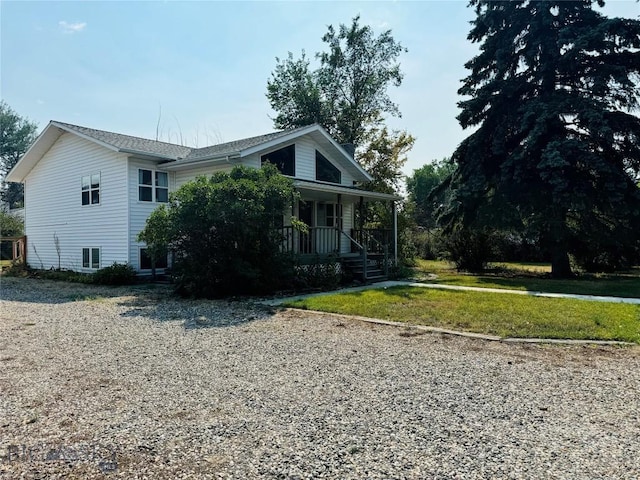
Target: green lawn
{"x": 532, "y": 277}
{"x": 499, "y": 314}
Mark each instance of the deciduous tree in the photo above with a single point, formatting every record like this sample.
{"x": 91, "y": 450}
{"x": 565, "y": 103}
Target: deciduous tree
{"x": 419, "y": 187}
{"x": 347, "y": 94}
{"x": 16, "y": 136}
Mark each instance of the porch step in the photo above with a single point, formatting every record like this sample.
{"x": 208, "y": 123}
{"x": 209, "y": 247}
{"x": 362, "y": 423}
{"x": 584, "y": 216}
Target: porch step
{"x": 354, "y": 265}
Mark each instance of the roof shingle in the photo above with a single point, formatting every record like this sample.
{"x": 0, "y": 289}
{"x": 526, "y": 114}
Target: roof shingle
{"x": 172, "y": 151}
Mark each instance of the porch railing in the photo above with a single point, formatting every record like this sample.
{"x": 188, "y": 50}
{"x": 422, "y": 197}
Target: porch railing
{"x": 316, "y": 240}
{"x": 373, "y": 239}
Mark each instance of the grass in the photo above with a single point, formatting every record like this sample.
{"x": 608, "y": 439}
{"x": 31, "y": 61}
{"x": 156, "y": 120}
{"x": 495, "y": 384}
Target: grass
{"x": 490, "y": 313}
{"x": 532, "y": 277}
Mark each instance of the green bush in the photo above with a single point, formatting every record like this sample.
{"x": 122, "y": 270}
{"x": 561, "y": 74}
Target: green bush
{"x": 116, "y": 274}
{"x": 11, "y": 226}
{"x": 223, "y": 230}
{"x": 469, "y": 250}
{"x": 429, "y": 244}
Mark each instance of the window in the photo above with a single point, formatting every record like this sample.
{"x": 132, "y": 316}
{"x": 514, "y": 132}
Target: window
{"x": 153, "y": 186}
{"x": 145, "y": 261}
{"x": 326, "y": 171}
{"x": 91, "y": 189}
{"x": 329, "y": 215}
{"x": 91, "y": 258}
{"x": 284, "y": 160}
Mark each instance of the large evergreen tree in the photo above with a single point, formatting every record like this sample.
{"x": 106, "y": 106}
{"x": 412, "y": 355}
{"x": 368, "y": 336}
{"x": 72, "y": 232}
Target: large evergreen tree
{"x": 16, "y": 136}
{"x": 553, "y": 94}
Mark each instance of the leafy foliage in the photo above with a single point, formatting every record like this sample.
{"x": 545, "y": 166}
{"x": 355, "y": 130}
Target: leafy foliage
{"x": 10, "y": 225}
{"x": 116, "y": 274}
{"x": 222, "y": 230}
{"x": 421, "y": 184}
{"x": 347, "y": 94}
{"x": 155, "y": 236}
{"x": 384, "y": 158}
{"x": 469, "y": 250}
{"x": 556, "y": 152}
{"x": 16, "y": 135}
{"x": 294, "y": 92}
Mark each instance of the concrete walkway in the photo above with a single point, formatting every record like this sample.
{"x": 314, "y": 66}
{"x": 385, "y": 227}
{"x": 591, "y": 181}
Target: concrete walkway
{"x": 398, "y": 283}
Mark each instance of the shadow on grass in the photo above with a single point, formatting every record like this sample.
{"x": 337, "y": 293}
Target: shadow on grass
{"x": 520, "y": 277}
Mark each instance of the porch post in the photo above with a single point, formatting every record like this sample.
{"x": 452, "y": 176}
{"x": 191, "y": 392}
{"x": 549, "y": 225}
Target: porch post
{"x": 395, "y": 231}
{"x": 339, "y": 222}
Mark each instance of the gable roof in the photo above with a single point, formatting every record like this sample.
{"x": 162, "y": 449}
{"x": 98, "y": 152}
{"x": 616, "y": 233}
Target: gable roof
{"x": 175, "y": 157}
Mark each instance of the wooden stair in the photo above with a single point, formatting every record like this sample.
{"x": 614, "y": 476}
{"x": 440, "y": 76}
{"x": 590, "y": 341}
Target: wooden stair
{"x": 374, "y": 272}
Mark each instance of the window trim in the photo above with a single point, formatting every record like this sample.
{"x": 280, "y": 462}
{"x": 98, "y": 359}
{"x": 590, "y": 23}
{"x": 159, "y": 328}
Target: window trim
{"x": 295, "y": 159}
{"x": 90, "y": 252}
{"x": 321, "y": 157}
{"x": 153, "y": 185}
{"x": 90, "y": 190}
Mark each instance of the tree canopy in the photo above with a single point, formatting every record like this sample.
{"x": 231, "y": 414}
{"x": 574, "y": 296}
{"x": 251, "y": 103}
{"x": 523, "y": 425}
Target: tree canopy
{"x": 556, "y": 151}
{"x": 347, "y": 94}
{"x": 16, "y": 136}
{"x": 419, "y": 187}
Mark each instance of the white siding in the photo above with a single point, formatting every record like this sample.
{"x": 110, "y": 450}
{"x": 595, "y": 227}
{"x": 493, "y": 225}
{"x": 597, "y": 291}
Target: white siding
{"x": 139, "y": 211}
{"x": 53, "y": 205}
{"x": 305, "y": 161}
{"x": 183, "y": 176}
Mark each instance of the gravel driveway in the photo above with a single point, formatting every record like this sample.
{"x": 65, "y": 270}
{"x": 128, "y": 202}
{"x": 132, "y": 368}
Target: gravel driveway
{"x": 132, "y": 383}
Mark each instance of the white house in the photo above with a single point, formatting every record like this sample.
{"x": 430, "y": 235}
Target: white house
{"x": 89, "y": 192}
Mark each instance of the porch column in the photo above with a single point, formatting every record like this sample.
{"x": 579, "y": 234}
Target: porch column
{"x": 339, "y": 221}
{"x": 395, "y": 232}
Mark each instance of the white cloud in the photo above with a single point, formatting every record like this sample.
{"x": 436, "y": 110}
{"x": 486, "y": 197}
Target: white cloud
{"x": 76, "y": 27}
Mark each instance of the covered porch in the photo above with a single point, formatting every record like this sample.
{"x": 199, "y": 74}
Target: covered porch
{"x": 334, "y": 218}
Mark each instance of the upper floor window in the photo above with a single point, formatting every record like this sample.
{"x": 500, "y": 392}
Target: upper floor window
{"x": 326, "y": 171}
{"x": 91, "y": 189}
{"x": 153, "y": 186}
{"x": 284, "y": 160}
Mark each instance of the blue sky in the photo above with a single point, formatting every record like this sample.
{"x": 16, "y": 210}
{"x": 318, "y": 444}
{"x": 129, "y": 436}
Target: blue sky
{"x": 205, "y": 65}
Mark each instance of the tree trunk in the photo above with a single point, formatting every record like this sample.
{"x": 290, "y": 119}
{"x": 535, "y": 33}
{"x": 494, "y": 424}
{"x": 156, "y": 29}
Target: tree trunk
{"x": 560, "y": 265}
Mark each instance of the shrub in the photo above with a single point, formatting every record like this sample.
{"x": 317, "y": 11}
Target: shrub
{"x": 468, "y": 249}
{"x": 10, "y": 226}
{"x": 593, "y": 259}
{"x": 116, "y": 274}
{"x": 223, "y": 230}
{"x": 429, "y": 244}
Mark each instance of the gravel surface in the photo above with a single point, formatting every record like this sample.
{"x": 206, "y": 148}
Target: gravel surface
{"x": 133, "y": 383}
